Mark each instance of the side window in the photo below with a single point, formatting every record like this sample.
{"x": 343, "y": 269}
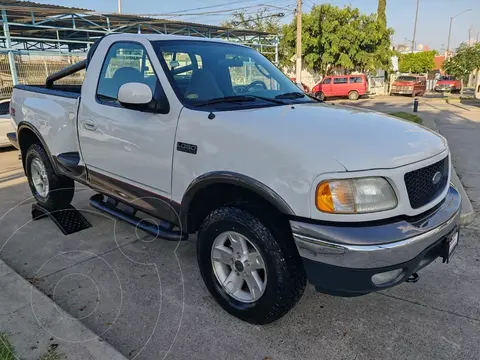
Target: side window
{"x": 327, "y": 81}
{"x": 127, "y": 62}
{"x": 355, "y": 79}
{"x": 340, "y": 80}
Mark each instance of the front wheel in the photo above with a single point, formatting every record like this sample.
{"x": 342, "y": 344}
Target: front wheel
{"x": 252, "y": 274}
{"x": 320, "y": 95}
{"x": 52, "y": 191}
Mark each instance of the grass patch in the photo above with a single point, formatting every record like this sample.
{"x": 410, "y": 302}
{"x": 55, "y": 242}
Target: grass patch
{"x": 407, "y": 116}
{"x": 6, "y": 349}
{"x": 7, "y": 352}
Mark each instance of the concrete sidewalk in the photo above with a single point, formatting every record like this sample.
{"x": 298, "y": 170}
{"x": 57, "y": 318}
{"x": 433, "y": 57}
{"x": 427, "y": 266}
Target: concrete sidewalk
{"x": 35, "y": 324}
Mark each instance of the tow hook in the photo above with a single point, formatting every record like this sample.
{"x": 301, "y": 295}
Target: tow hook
{"x": 413, "y": 278}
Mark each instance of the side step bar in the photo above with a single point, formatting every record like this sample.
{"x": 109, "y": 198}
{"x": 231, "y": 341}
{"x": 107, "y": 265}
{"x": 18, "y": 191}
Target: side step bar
{"x": 163, "y": 230}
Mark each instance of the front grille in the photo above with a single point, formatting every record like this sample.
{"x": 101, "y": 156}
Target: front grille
{"x": 420, "y": 183}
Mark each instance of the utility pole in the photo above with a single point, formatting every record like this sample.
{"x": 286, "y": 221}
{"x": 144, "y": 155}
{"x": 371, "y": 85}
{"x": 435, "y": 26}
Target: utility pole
{"x": 298, "y": 66}
{"x": 470, "y": 36}
{"x": 415, "y": 27}
{"x": 119, "y": 6}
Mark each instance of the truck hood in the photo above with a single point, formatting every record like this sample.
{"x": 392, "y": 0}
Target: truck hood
{"x": 358, "y": 139}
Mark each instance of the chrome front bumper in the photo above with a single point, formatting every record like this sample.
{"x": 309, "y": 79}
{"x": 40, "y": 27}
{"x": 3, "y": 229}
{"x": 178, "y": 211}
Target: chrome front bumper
{"x": 378, "y": 245}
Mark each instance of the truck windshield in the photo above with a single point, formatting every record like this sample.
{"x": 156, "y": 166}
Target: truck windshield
{"x": 206, "y": 72}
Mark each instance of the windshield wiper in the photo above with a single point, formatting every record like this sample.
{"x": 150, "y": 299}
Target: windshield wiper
{"x": 268, "y": 99}
{"x": 237, "y": 99}
{"x": 291, "y": 95}
{"x": 296, "y": 95}
{"x": 226, "y": 99}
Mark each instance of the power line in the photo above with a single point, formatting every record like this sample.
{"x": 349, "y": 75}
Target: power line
{"x": 206, "y": 7}
{"x": 217, "y": 12}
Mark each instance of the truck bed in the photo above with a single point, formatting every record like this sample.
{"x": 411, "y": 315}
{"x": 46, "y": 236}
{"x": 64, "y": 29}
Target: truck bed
{"x": 53, "y": 112}
{"x": 71, "y": 91}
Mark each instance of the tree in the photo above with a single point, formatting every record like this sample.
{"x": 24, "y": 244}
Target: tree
{"x": 465, "y": 61}
{"x": 338, "y": 37}
{"x": 381, "y": 12}
{"x": 262, "y": 20}
{"x": 417, "y": 63}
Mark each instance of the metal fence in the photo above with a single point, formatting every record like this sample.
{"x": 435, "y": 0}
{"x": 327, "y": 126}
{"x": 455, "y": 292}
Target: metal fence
{"x": 34, "y": 70}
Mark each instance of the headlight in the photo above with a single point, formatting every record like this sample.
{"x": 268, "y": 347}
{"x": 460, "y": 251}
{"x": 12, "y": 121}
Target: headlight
{"x": 355, "y": 196}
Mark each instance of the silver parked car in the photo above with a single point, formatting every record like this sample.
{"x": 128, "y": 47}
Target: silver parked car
{"x": 6, "y": 125}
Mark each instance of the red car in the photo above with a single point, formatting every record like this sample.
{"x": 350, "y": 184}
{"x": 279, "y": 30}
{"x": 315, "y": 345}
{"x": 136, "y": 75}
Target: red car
{"x": 413, "y": 85}
{"x": 448, "y": 83}
{"x": 351, "y": 86}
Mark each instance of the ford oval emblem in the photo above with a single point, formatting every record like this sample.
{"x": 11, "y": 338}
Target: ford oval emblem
{"x": 437, "y": 178}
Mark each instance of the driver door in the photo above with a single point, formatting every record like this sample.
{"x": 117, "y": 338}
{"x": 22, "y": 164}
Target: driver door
{"x": 125, "y": 149}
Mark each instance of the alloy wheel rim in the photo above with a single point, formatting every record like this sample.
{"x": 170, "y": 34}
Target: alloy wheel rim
{"x": 39, "y": 177}
{"x": 239, "y": 267}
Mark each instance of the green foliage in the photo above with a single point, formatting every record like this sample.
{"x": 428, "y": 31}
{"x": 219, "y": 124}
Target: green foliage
{"x": 338, "y": 37}
{"x": 263, "y": 20}
{"x": 6, "y": 349}
{"x": 381, "y": 12}
{"x": 407, "y": 116}
{"x": 466, "y": 60}
{"x": 417, "y": 63}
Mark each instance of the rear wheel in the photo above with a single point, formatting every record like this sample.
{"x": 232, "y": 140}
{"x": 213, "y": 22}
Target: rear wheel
{"x": 353, "y": 95}
{"x": 252, "y": 274}
{"x": 50, "y": 190}
{"x": 320, "y": 95}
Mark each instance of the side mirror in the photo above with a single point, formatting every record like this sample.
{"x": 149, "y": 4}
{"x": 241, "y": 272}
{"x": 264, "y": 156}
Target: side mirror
{"x": 134, "y": 95}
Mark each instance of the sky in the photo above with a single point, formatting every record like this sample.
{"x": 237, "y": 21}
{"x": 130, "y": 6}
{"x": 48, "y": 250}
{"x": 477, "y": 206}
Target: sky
{"x": 432, "y": 25}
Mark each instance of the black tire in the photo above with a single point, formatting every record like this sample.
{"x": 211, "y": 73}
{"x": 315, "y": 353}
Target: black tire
{"x": 353, "y": 95}
{"x": 320, "y": 95}
{"x": 284, "y": 268}
{"x": 61, "y": 188}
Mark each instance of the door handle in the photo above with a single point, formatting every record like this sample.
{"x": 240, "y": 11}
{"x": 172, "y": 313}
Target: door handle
{"x": 90, "y": 125}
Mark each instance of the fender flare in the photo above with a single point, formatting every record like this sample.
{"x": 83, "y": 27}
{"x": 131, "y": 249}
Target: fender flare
{"x": 26, "y": 125}
{"x": 228, "y": 177}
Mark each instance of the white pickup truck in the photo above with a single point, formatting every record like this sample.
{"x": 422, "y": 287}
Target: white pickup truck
{"x": 214, "y": 140}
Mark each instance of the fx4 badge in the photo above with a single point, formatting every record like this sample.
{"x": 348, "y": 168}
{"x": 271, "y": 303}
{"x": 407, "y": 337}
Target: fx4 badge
{"x": 188, "y": 148}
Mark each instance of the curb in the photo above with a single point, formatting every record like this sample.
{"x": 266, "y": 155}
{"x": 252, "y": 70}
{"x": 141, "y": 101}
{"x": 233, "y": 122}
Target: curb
{"x": 467, "y": 214}
{"x": 32, "y": 338}
{"x": 468, "y": 101}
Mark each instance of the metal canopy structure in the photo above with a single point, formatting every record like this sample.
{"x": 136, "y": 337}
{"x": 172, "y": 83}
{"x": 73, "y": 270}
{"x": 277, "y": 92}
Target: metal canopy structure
{"x": 29, "y": 28}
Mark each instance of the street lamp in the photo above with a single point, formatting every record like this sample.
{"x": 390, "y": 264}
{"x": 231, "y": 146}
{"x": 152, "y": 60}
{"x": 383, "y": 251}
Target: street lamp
{"x": 450, "y": 29}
